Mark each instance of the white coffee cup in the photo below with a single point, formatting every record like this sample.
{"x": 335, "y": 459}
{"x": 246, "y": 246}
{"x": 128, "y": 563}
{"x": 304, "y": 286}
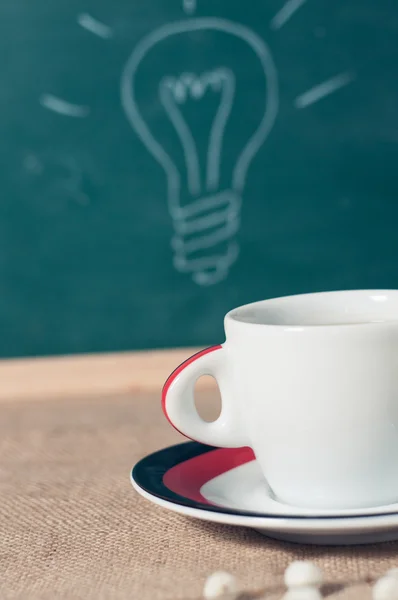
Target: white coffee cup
{"x": 310, "y": 383}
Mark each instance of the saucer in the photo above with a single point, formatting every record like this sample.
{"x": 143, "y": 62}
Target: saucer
{"x": 225, "y": 485}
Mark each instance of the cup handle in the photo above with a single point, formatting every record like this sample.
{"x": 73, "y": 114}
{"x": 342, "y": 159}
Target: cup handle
{"x": 178, "y": 401}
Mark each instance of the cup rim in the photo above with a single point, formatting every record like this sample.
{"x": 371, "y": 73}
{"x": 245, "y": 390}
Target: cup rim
{"x": 232, "y": 316}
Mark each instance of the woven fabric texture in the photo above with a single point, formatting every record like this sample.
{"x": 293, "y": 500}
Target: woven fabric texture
{"x": 72, "y": 526}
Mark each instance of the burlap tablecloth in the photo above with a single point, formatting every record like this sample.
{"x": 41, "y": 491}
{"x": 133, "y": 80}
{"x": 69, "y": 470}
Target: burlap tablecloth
{"x": 72, "y": 526}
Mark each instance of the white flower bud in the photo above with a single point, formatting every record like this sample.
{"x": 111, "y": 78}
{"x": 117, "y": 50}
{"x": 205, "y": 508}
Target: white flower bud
{"x": 303, "y": 574}
{"x": 386, "y": 588}
{"x": 303, "y": 593}
{"x": 220, "y": 584}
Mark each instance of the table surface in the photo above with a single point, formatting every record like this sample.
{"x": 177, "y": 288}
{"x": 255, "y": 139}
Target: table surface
{"x": 72, "y": 526}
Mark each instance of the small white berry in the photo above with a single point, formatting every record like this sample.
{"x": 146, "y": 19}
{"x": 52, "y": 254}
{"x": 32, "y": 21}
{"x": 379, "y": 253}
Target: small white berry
{"x": 303, "y": 574}
{"x": 303, "y": 593}
{"x": 386, "y": 588}
{"x": 220, "y": 584}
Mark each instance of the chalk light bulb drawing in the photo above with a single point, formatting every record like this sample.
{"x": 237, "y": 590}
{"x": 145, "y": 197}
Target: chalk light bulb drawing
{"x": 206, "y": 226}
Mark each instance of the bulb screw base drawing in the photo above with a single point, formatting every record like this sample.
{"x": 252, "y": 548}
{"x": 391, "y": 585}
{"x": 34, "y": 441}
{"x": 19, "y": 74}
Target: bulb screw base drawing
{"x": 203, "y": 242}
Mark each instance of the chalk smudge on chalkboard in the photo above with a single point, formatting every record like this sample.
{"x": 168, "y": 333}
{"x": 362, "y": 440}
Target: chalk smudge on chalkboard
{"x": 32, "y": 164}
{"x": 285, "y": 13}
{"x": 94, "y": 26}
{"x": 323, "y": 89}
{"x": 61, "y": 176}
{"x": 189, "y": 6}
{"x": 63, "y": 107}
{"x": 320, "y": 32}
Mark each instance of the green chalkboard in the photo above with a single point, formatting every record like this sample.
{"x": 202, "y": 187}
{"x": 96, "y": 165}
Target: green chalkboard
{"x": 162, "y": 162}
